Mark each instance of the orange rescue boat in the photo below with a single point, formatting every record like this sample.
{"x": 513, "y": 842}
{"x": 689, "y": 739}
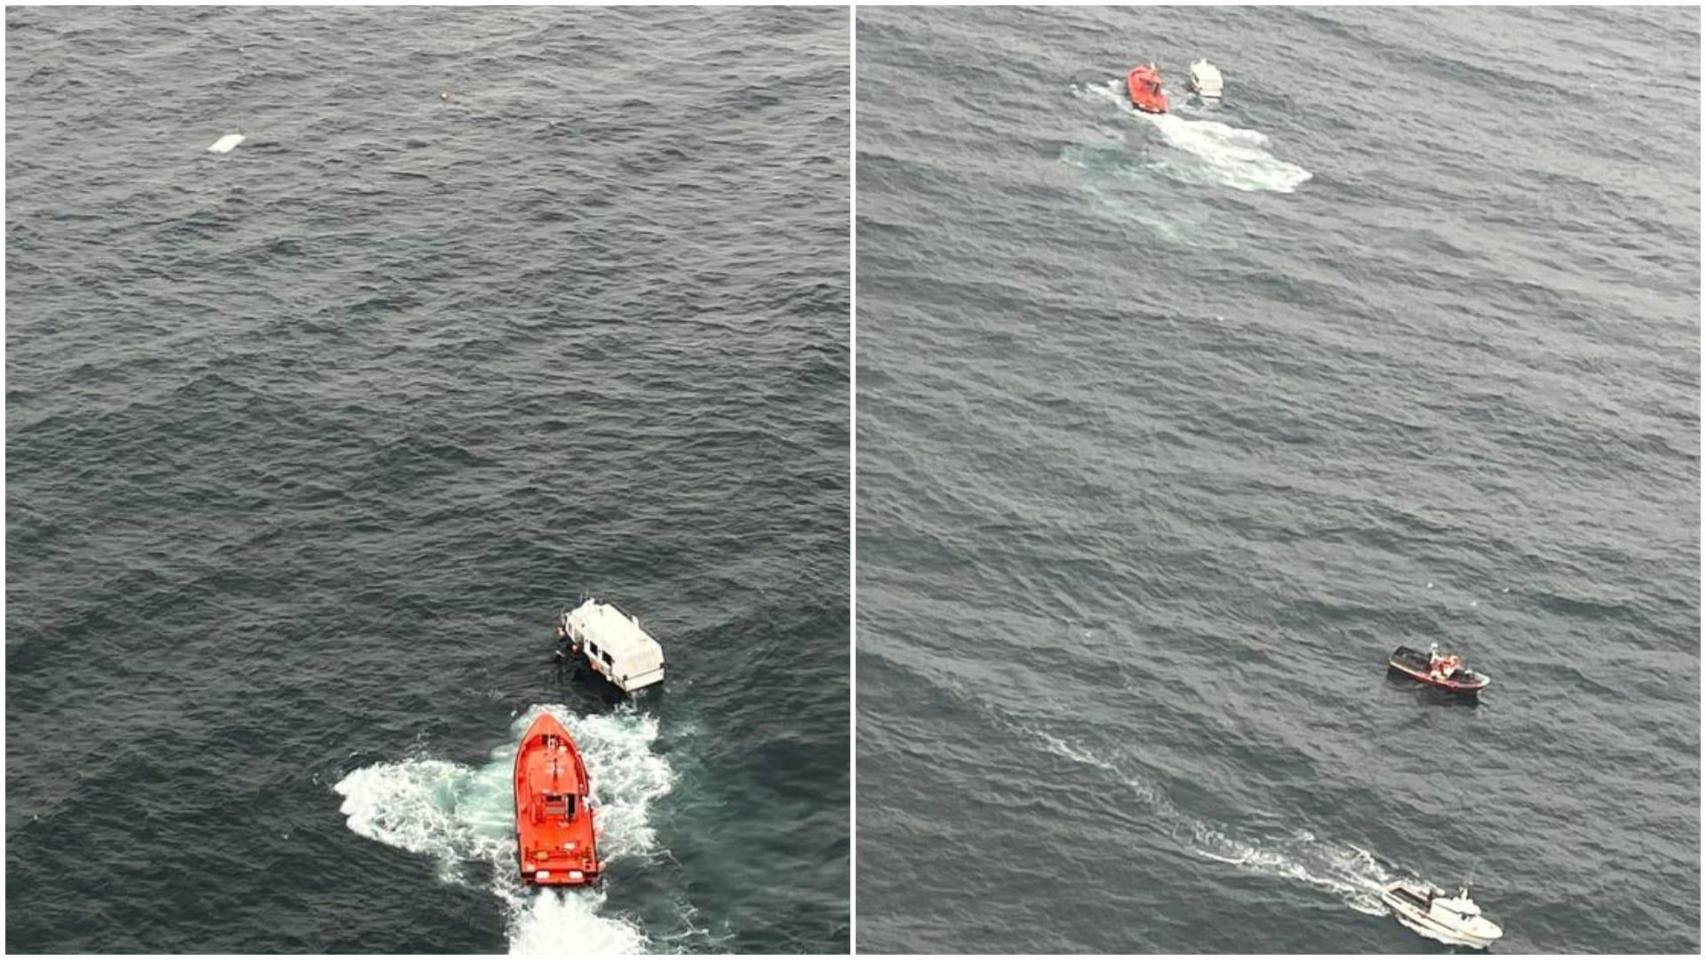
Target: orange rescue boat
{"x": 1143, "y": 84}
{"x": 553, "y": 825}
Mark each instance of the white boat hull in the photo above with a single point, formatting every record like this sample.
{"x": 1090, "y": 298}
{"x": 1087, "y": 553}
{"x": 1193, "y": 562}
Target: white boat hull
{"x": 1206, "y": 81}
{"x": 1433, "y": 931}
{"x": 1437, "y": 917}
{"x": 612, "y": 644}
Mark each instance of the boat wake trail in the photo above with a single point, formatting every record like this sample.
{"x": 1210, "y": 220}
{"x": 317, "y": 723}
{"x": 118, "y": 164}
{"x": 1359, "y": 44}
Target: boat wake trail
{"x": 1341, "y": 868}
{"x": 464, "y": 818}
{"x": 1223, "y": 154}
{"x": 1353, "y": 874}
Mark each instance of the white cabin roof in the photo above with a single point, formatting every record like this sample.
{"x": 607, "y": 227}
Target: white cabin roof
{"x": 615, "y": 631}
{"x": 1207, "y": 77}
{"x": 1460, "y": 904}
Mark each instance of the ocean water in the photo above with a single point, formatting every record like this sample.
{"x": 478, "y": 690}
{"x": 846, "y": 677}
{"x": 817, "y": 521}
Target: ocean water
{"x": 308, "y": 443}
{"x": 1171, "y": 429}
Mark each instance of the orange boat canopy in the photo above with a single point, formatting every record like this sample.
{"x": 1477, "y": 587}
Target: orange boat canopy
{"x": 1143, "y": 84}
{"x": 554, "y": 835}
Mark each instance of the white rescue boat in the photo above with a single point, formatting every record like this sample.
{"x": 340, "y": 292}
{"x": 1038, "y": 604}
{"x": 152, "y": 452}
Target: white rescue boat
{"x": 1449, "y": 919}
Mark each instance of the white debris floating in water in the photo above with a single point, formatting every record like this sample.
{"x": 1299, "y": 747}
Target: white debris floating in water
{"x": 226, "y": 143}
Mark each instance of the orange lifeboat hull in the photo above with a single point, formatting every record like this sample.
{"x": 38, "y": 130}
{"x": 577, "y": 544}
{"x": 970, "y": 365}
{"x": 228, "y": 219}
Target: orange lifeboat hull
{"x": 1143, "y": 85}
{"x": 554, "y": 837}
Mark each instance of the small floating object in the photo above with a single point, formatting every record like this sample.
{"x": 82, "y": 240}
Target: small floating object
{"x": 226, "y": 144}
{"x": 1443, "y": 670}
{"x": 444, "y": 95}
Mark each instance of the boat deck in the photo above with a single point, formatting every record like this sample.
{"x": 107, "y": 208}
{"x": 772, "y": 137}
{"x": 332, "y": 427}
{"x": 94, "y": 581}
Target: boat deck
{"x": 553, "y": 825}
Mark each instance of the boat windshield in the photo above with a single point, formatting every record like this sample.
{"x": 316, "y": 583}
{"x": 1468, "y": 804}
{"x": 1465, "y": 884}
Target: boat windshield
{"x": 560, "y": 804}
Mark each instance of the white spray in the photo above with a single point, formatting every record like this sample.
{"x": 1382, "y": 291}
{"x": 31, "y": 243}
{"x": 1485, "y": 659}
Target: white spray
{"x": 1226, "y": 155}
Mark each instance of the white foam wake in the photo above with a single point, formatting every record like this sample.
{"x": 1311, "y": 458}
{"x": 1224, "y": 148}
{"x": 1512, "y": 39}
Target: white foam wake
{"x": 1223, "y": 154}
{"x": 1355, "y": 875}
{"x": 464, "y": 818}
{"x": 1341, "y": 868}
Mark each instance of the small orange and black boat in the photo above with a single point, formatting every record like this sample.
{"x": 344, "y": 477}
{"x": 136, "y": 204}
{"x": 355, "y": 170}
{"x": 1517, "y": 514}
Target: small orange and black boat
{"x": 1143, "y": 84}
{"x": 553, "y": 824}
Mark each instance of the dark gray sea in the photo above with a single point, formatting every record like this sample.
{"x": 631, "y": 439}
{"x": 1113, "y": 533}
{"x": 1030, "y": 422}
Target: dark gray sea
{"x": 308, "y": 443}
{"x": 1171, "y": 429}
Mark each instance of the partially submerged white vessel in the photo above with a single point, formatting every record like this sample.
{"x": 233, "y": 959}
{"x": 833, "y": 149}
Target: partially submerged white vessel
{"x": 612, "y": 644}
{"x": 1454, "y": 920}
{"x": 226, "y": 144}
{"x": 1205, "y": 81}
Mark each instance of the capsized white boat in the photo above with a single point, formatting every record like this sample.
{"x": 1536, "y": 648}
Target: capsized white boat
{"x": 612, "y": 643}
{"x": 226, "y": 144}
{"x": 1449, "y": 919}
{"x": 1205, "y": 81}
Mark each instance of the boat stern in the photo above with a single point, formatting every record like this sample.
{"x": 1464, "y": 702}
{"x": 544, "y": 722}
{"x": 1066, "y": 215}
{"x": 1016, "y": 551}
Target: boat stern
{"x": 629, "y": 684}
{"x": 570, "y": 867}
